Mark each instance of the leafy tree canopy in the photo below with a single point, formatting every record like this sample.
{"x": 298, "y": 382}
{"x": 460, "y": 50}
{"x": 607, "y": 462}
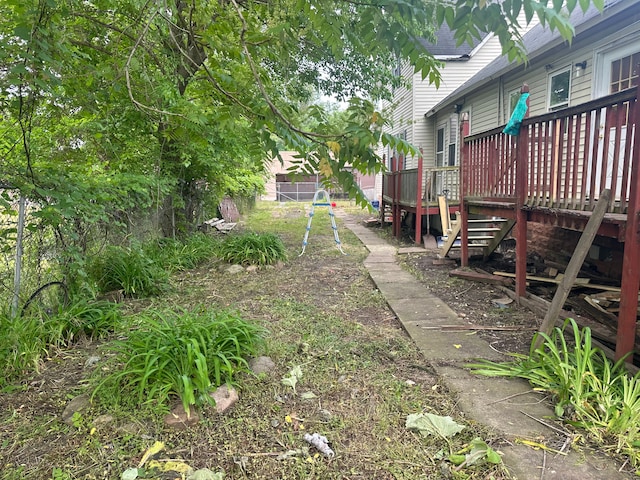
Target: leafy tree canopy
{"x": 182, "y": 94}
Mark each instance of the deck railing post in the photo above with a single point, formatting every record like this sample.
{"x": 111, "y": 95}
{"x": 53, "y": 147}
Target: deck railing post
{"x": 394, "y": 205}
{"x": 464, "y": 214}
{"x": 418, "y": 239}
{"x": 522, "y": 155}
{"x": 383, "y": 189}
{"x": 626, "y": 333}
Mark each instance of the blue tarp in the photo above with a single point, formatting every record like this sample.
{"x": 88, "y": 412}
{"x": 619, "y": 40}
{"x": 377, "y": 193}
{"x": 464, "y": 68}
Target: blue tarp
{"x": 513, "y": 126}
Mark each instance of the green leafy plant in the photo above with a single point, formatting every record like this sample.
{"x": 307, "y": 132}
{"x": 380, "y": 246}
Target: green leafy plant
{"x": 129, "y": 270}
{"x": 177, "y": 255}
{"x": 475, "y": 452}
{"x": 182, "y": 353}
{"x": 253, "y": 249}
{"x": 295, "y": 374}
{"x": 589, "y": 390}
{"x": 28, "y": 339}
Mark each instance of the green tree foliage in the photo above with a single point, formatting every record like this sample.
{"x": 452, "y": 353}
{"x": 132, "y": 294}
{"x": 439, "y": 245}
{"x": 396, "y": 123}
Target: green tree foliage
{"x": 110, "y": 105}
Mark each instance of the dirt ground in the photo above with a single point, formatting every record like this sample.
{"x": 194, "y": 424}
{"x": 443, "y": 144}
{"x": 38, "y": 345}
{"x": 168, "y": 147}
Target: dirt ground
{"x": 323, "y": 312}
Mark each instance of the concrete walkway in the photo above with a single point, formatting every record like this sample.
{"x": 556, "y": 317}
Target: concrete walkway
{"x": 502, "y": 404}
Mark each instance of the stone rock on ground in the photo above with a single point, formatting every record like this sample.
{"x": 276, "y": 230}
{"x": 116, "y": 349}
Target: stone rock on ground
{"x": 235, "y": 269}
{"x": 75, "y": 405}
{"x": 261, "y": 364}
{"x": 179, "y": 419}
{"x": 225, "y": 397}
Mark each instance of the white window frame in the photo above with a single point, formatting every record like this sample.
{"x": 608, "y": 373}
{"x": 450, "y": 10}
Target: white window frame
{"x": 564, "y": 70}
{"x": 606, "y": 56}
{"x": 513, "y": 94}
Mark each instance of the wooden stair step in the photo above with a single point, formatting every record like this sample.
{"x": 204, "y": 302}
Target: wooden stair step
{"x": 487, "y": 220}
{"x": 490, "y": 229}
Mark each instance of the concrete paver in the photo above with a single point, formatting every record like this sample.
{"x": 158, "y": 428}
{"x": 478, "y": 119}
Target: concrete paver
{"x": 496, "y": 402}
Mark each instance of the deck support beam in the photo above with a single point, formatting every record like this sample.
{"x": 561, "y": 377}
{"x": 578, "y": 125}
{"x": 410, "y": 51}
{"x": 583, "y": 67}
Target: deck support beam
{"x": 418, "y": 237}
{"x": 627, "y": 317}
{"x": 464, "y": 211}
{"x": 522, "y": 156}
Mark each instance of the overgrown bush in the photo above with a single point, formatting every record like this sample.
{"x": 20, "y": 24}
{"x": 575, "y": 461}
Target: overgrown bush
{"x": 28, "y": 339}
{"x": 176, "y": 255}
{"x": 589, "y": 390}
{"x": 253, "y": 249}
{"x": 184, "y": 354}
{"x": 129, "y": 270}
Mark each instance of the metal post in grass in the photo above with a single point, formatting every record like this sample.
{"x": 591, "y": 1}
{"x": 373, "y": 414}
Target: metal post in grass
{"x": 18, "y": 262}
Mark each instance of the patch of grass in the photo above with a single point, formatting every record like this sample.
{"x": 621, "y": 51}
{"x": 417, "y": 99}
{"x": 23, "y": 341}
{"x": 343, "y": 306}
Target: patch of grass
{"x": 589, "y": 390}
{"x": 179, "y": 255}
{"x": 323, "y": 315}
{"x": 27, "y": 340}
{"x": 185, "y": 354}
{"x": 253, "y": 249}
{"x": 129, "y": 270}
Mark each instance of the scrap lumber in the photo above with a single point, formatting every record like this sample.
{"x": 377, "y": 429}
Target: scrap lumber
{"x": 481, "y": 277}
{"x": 497, "y": 328}
{"x": 580, "y": 282}
{"x": 577, "y": 259}
{"x": 602, "y": 334}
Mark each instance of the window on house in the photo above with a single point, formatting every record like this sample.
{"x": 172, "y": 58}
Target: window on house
{"x": 624, "y": 73}
{"x": 453, "y": 139}
{"x": 440, "y": 147}
{"x": 397, "y": 70}
{"x": 559, "y": 87}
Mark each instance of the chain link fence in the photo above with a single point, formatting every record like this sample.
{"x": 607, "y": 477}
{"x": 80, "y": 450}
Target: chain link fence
{"x": 28, "y": 252}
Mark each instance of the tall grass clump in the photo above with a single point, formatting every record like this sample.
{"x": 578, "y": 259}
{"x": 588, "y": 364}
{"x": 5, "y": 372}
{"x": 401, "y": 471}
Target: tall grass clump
{"x": 130, "y": 270}
{"x": 28, "y": 339}
{"x": 253, "y": 249}
{"x": 185, "y": 354}
{"x": 177, "y": 255}
{"x": 589, "y": 390}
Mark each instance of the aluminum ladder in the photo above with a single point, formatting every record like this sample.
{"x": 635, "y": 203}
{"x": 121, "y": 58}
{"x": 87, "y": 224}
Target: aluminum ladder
{"x": 321, "y": 199}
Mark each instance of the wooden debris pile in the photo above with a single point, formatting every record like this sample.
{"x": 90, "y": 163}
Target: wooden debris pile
{"x": 219, "y": 224}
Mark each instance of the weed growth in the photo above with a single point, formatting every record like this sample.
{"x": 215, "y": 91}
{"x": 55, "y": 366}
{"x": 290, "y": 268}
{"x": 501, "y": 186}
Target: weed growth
{"x": 253, "y": 249}
{"x": 130, "y": 270}
{"x": 29, "y": 338}
{"x": 176, "y": 255}
{"x": 589, "y": 390}
{"x": 184, "y": 354}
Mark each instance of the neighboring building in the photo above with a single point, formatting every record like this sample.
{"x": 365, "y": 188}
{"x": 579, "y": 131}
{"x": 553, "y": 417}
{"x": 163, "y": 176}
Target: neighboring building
{"x": 279, "y": 185}
{"x": 410, "y": 105}
{"x": 580, "y": 140}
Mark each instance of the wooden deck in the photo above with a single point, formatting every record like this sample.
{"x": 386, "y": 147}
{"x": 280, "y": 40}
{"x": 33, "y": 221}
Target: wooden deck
{"x": 553, "y": 172}
{"x": 416, "y": 190}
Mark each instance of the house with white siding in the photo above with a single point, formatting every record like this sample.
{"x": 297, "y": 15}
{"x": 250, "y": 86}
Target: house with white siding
{"x": 602, "y": 58}
{"x": 575, "y": 164}
{"x": 410, "y": 104}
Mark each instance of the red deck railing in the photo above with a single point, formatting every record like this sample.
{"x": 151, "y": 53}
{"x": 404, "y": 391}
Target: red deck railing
{"x": 569, "y": 157}
{"x": 563, "y": 160}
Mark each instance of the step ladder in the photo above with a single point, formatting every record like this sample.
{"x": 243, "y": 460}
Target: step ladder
{"x": 321, "y": 199}
{"x": 485, "y": 233}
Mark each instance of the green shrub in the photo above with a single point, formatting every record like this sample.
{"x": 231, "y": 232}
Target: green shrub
{"x": 129, "y": 270}
{"x": 184, "y": 353}
{"x": 176, "y": 255}
{"x": 589, "y": 390}
{"x": 253, "y": 249}
{"x": 27, "y": 339}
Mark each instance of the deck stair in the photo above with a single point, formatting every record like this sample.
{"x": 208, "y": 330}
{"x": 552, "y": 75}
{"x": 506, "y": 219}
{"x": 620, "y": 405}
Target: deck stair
{"x": 484, "y": 233}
